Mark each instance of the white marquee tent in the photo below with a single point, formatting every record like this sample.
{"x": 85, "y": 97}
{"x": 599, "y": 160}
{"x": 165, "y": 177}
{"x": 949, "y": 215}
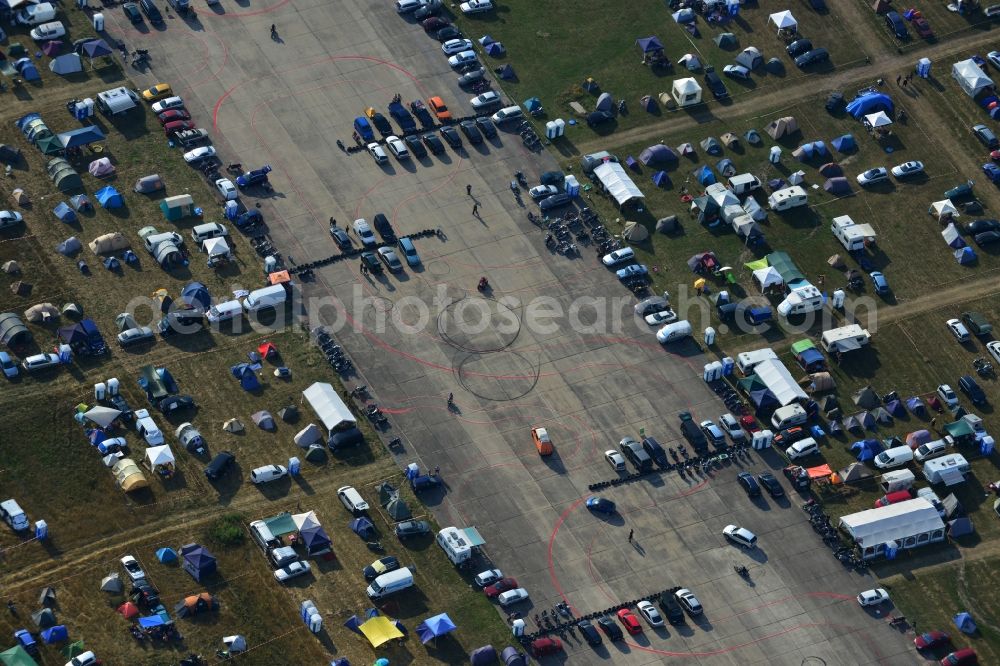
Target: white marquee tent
{"x": 878, "y": 119}
{"x": 970, "y": 77}
{"x": 329, "y": 407}
{"x": 784, "y": 20}
{"x": 686, "y": 92}
{"x": 614, "y": 179}
{"x": 776, "y": 377}
{"x": 904, "y": 525}
{"x": 767, "y": 277}
{"x": 942, "y": 209}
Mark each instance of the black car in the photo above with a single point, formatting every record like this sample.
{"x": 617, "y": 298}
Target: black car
{"x": 451, "y": 136}
{"x": 771, "y": 484}
{"x": 971, "y": 388}
{"x": 655, "y": 451}
{"x": 554, "y": 201}
{"x": 381, "y": 123}
{"x": 416, "y": 148}
{"x": 977, "y": 323}
{"x": 813, "y": 57}
{"x": 982, "y": 226}
{"x": 341, "y": 238}
{"x": 986, "y": 238}
{"x": 894, "y": 22}
{"x": 789, "y": 436}
{"x": 487, "y": 127}
{"x": 448, "y": 32}
{"x": 632, "y": 450}
{"x": 471, "y": 76}
{"x": 180, "y": 322}
{"x": 798, "y": 47}
{"x": 599, "y": 118}
{"x": 671, "y": 609}
{"x": 589, "y": 632}
{"x": 986, "y": 137}
{"x": 427, "y": 11}
{"x": 471, "y": 132}
{"x": 175, "y": 403}
{"x": 433, "y": 143}
{"x": 382, "y": 566}
{"x": 610, "y": 628}
{"x": 749, "y": 484}
{"x": 371, "y": 262}
{"x": 131, "y": 11}
{"x": 149, "y": 8}
{"x": 220, "y": 463}
{"x": 715, "y": 84}
{"x": 383, "y": 227}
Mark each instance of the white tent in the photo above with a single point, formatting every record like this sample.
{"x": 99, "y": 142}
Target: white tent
{"x": 215, "y": 247}
{"x": 906, "y": 524}
{"x": 102, "y": 416}
{"x": 159, "y": 455}
{"x": 614, "y": 179}
{"x": 767, "y": 277}
{"x": 328, "y": 406}
{"x": 780, "y": 382}
{"x": 797, "y": 177}
{"x": 879, "y": 119}
{"x": 970, "y": 77}
{"x": 942, "y": 209}
{"x": 784, "y": 21}
{"x": 686, "y": 92}
{"x": 308, "y": 435}
{"x": 304, "y": 520}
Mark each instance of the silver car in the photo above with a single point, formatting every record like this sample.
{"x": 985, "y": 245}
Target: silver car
{"x": 485, "y": 101}
{"x": 293, "y": 570}
{"x": 542, "y": 191}
{"x": 135, "y": 335}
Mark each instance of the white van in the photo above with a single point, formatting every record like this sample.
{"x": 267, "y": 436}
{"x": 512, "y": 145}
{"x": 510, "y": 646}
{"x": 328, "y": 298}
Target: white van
{"x": 352, "y": 499}
{"x": 802, "y": 448}
{"x": 455, "y": 545}
{"x": 894, "y": 457}
{"x": 390, "y": 583}
{"x": 224, "y": 311}
{"x": 268, "y": 297}
{"x": 14, "y": 515}
{"x": 932, "y": 449}
{"x": 203, "y": 232}
{"x": 35, "y": 14}
{"x": 262, "y": 534}
{"x": 507, "y": 114}
{"x": 674, "y": 332}
{"x": 788, "y": 416}
{"x": 744, "y": 183}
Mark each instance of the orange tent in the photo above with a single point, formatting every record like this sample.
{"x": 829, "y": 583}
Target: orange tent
{"x": 279, "y": 276}
{"x": 129, "y": 610}
{"x": 819, "y": 472}
{"x": 267, "y": 349}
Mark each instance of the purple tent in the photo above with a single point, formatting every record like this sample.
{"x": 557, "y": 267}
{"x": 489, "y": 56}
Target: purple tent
{"x": 895, "y": 407}
{"x": 198, "y": 561}
{"x": 494, "y": 49}
{"x": 52, "y": 48}
{"x": 916, "y": 405}
{"x": 483, "y": 656}
{"x": 661, "y": 179}
{"x": 353, "y": 623}
{"x": 631, "y": 163}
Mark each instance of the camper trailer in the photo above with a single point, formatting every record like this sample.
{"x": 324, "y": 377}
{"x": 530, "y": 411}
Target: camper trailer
{"x": 747, "y": 361}
{"x": 949, "y": 470}
{"x": 844, "y": 339}
{"x": 852, "y": 236}
{"x": 900, "y": 479}
{"x": 744, "y": 183}
{"x": 802, "y": 299}
{"x": 455, "y": 545}
{"x": 117, "y": 100}
{"x": 788, "y": 198}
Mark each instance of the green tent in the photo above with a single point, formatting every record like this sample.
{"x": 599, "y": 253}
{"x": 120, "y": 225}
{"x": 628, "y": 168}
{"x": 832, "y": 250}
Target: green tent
{"x": 751, "y": 383}
{"x": 386, "y": 492}
{"x": 16, "y": 656}
{"x": 16, "y": 50}
{"x": 786, "y": 268}
{"x": 398, "y": 509}
{"x": 316, "y": 453}
{"x": 50, "y": 145}
{"x": 960, "y": 429}
{"x": 73, "y": 649}
{"x": 802, "y": 345}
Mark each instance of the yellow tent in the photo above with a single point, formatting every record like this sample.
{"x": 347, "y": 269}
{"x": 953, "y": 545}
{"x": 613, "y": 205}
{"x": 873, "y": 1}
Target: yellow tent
{"x": 380, "y": 629}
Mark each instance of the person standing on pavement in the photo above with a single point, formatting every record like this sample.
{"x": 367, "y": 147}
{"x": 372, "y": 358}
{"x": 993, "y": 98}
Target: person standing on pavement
{"x": 468, "y": 190}
{"x": 475, "y": 210}
{"x": 631, "y": 533}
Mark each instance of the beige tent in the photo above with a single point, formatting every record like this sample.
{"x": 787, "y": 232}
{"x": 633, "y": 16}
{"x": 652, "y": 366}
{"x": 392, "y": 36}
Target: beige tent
{"x": 233, "y": 425}
{"x": 943, "y": 210}
{"x": 308, "y": 435}
{"x": 11, "y": 267}
{"x": 730, "y": 140}
{"x": 41, "y": 312}
{"x": 818, "y": 382}
{"x": 109, "y": 243}
{"x": 635, "y": 232}
{"x": 19, "y": 197}
{"x": 782, "y": 127}
{"x": 128, "y": 475}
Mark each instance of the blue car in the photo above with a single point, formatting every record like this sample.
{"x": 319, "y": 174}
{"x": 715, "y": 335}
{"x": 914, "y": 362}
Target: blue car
{"x": 992, "y": 172}
{"x": 635, "y": 270}
{"x": 600, "y": 505}
{"x": 880, "y": 283}
{"x": 409, "y": 251}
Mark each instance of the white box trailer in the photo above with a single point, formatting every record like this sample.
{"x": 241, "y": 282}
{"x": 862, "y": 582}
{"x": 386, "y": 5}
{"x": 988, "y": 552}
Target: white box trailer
{"x": 851, "y": 235}
{"x": 845, "y": 338}
{"x": 787, "y": 198}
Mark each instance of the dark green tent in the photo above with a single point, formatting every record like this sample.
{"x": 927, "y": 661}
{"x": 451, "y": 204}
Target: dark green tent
{"x": 16, "y": 656}
{"x": 398, "y": 509}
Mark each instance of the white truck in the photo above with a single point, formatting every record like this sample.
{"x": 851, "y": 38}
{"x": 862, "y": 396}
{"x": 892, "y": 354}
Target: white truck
{"x": 851, "y": 235}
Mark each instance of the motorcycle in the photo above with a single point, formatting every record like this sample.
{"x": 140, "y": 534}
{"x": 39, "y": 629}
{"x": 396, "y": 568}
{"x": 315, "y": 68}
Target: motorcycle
{"x": 521, "y": 179}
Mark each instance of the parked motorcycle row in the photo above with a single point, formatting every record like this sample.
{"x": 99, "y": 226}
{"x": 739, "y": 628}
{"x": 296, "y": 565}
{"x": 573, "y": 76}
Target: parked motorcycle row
{"x": 821, "y": 524}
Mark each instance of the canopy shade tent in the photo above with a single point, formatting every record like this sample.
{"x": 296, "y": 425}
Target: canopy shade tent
{"x": 909, "y": 524}
{"x": 970, "y": 77}
{"x": 877, "y": 119}
{"x": 198, "y": 561}
{"x": 329, "y": 407}
{"x": 102, "y": 416}
{"x": 379, "y": 630}
{"x": 81, "y": 137}
{"x": 649, "y": 44}
{"x": 159, "y": 456}
{"x": 95, "y": 48}
{"x": 686, "y": 92}
{"x": 432, "y": 627}
{"x": 943, "y": 209}
{"x": 783, "y": 20}
{"x": 618, "y": 184}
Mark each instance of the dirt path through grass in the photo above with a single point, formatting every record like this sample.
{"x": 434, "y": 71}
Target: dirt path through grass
{"x": 960, "y": 292}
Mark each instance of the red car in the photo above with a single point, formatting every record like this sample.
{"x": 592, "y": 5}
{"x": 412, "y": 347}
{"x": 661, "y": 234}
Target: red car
{"x": 963, "y": 657}
{"x": 931, "y": 640}
{"x": 172, "y": 115}
{"x": 501, "y": 585}
{"x": 630, "y": 621}
{"x": 434, "y": 23}
{"x": 749, "y": 423}
{"x": 922, "y": 27}
{"x": 892, "y": 498}
{"x": 541, "y": 647}
{"x": 175, "y": 126}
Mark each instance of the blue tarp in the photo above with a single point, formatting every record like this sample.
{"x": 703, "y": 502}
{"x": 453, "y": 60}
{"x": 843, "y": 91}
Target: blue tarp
{"x": 246, "y": 376}
{"x": 844, "y": 144}
{"x": 965, "y": 256}
{"x": 64, "y": 212}
{"x": 56, "y": 634}
{"x": 704, "y": 175}
{"x": 432, "y": 627}
{"x": 661, "y": 179}
{"x": 965, "y": 623}
{"x": 867, "y": 449}
{"x": 109, "y": 197}
{"x": 166, "y": 555}
{"x": 870, "y": 102}
{"x": 81, "y": 137}
{"x": 362, "y": 527}
{"x": 649, "y": 44}
{"x": 151, "y": 621}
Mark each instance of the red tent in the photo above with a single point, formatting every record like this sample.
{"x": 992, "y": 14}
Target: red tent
{"x": 267, "y": 349}
{"x": 129, "y": 610}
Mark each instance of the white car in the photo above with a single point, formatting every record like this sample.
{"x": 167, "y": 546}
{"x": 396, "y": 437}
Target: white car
{"x": 485, "y": 578}
{"x": 453, "y": 46}
{"x": 174, "y": 102}
{"x": 40, "y": 362}
{"x": 47, "y": 31}
{"x": 199, "y": 154}
{"x": 662, "y": 317}
{"x": 377, "y": 153}
{"x": 407, "y": 6}
{"x": 650, "y": 614}
{"x": 87, "y": 658}
{"x": 994, "y": 57}
{"x": 397, "y": 147}
{"x": 293, "y": 570}
{"x": 958, "y": 329}
{"x": 132, "y": 568}
{"x": 476, "y": 6}
{"x": 542, "y": 191}
{"x": 365, "y": 233}
{"x": 910, "y": 168}
{"x": 9, "y": 218}
{"x": 512, "y": 596}
{"x": 618, "y": 256}
{"x": 268, "y": 473}
{"x": 740, "y": 536}
{"x": 947, "y": 396}
{"x": 485, "y": 101}
{"x": 731, "y": 426}
{"x": 688, "y": 601}
{"x": 8, "y": 365}
{"x": 463, "y": 58}
{"x": 872, "y": 176}
{"x": 227, "y": 189}
{"x": 615, "y": 459}
{"x": 873, "y": 597}
{"x": 994, "y": 349}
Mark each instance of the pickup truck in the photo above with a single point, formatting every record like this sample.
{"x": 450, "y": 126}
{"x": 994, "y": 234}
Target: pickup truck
{"x": 402, "y": 117}
{"x": 692, "y": 431}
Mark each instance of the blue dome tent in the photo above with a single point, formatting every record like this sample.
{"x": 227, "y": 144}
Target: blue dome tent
{"x": 533, "y": 105}
{"x": 56, "y": 634}
{"x": 869, "y": 102}
{"x": 965, "y": 256}
{"x": 844, "y": 144}
{"x": 362, "y": 527}
{"x": 867, "y": 449}
{"x": 109, "y": 197}
{"x": 506, "y": 73}
{"x": 965, "y": 623}
{"x": 195, "y": 295}
{"x": 649, "y": 44}
{"x": 65, "y": 213}
{"x": 726, "y": 167}
{"x": 166, "y": 555}
{"x": 661, "y": 179}
{"x": 657, "y": 154}
{"x": 495, "y": 49}
{"x": 246, "y": 376}
{"x": 704, "y": 175}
